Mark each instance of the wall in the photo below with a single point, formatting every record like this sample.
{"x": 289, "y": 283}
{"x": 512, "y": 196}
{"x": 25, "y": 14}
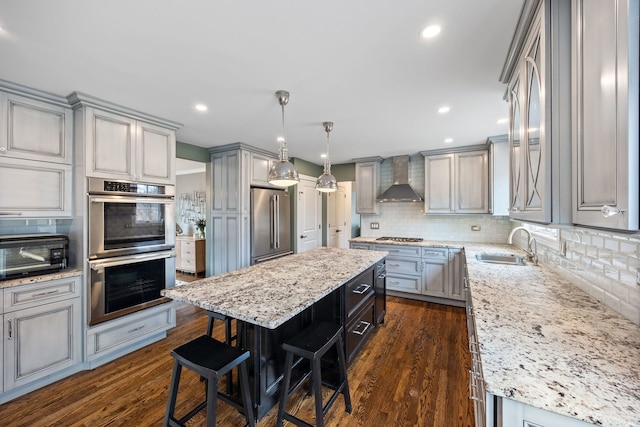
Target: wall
{"x": 188, "y": 184}
{"x": 409, "y": 220}
{"x": 604, "y": 264}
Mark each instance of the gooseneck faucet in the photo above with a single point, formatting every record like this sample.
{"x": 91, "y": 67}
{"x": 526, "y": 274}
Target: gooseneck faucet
{"x": 532, "y": 255}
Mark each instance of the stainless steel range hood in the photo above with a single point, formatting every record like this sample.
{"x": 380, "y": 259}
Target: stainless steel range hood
{"x": 400, "y": 191}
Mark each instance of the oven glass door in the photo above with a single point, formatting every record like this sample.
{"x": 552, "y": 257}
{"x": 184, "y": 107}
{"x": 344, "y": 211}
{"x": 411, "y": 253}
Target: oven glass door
{"x": 123, "y": 285}
{"x": 120, "y": 225}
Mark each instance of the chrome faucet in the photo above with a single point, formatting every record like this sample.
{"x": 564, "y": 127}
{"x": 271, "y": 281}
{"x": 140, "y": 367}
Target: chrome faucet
{"x": 532, "y": 255}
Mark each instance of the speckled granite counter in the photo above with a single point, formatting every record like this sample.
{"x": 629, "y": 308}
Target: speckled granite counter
{"x": 546, "y": 343}
{"x": 269, "y": 294}
{"x": 42, "y": 278}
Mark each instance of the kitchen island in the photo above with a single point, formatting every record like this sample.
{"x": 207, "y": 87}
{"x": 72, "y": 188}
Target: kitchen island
{"x": 275, "y": 300}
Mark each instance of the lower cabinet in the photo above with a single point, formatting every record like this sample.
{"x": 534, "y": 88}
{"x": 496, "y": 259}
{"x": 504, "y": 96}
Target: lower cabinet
{"x": 109, "y": 340}
{"x": 514, "y": 413}
{"x": 190, "y": 255}
{"x": 435, "y": 273}
{"x": 42, "y": 334}
{"x": 359, "y": 311}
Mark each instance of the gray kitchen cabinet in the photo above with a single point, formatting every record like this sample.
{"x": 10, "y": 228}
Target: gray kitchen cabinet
{"x": 605, "y": 113}
{"x": 260, "y": 164}
{"x": 457, "y": 182}
{"x": 230, "y": 208}
{"x": 456, "y": 274}
{"x": 513, "y": 413}
{"x": 367, "y": 185}
{"x": 124, "y": 144}
{"x": 435, "y": 272}
{"x": 356, "y": 245}
{"x": 404, "y": 268}
{"x": 35, "y": 154}
{"x": 42, "y": 331}
{"x": 482, "y": 400}
{"x": 538, "y": 74}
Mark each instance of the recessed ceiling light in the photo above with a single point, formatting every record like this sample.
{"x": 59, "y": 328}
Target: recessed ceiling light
{"x": 430, "y": 31}
{"x": 443, "y": 110}
{"x": 448, "y": 140}
{"x": 323, "y": 155}
{"x": 201, "y": 107}
{"x": 502, "y": 121}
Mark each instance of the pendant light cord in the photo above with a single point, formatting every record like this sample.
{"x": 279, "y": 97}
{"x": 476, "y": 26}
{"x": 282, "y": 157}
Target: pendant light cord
{"x": 327, "y": 160}
{"x": 283, "y": 146}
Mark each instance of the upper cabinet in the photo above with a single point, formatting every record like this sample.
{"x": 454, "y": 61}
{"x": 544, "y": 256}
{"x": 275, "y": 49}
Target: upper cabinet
{"x": 538, "y": 73}
{"x": 260, "y": 165}
{"x": 35, "y": 151}
{"x": 605, "y": 113}
{"x": 457, "y": 182}
{"x": 367, "y": 185}
{"x": 124, "y": 144}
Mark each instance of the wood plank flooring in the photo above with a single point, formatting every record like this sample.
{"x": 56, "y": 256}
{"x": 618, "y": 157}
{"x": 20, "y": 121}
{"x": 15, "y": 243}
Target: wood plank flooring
{"x": 413, "y": 372}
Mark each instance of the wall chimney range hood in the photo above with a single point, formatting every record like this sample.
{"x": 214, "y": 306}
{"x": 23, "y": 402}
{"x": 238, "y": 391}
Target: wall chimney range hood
{"x": 400, "y": 191}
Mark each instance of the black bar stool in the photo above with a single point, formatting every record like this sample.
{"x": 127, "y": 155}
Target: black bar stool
{"x": 228, "y": 338}
{"x": 210, "y": 359}
{"x": 312, "y": 344}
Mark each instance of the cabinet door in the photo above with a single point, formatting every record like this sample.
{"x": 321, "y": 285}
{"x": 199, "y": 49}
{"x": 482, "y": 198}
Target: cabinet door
{"x": 515, "y": 162}
{"x": 110, "y": 140}
{"x": 439, "y": 175}
{"x": 40, "y": 341}
{"x": 33, "y": 189}
{"x": 259, "y": 169}
{"x": 35, "y": 130}
{"x": 472, "y": 182}
{"x": 435, "y": 277}
{"x": 367, "y": 187}
{"x": 155, "y": 154}
{"x": 226, "y": 170}
{"x": 605, "y": 139}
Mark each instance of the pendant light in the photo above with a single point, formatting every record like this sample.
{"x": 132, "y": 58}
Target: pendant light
{"x": 326, "y": 182}
{"x": 283, "y": 173}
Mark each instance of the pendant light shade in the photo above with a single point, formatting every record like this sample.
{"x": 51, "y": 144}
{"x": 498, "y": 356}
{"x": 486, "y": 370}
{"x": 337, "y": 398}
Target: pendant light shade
{"x": 326, "y": 182}
{"x": 283, "y": 173}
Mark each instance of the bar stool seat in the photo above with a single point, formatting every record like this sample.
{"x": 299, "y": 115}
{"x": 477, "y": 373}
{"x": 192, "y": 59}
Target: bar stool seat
{"x": 211, "y": 359}
{"x": 312, "y": 343}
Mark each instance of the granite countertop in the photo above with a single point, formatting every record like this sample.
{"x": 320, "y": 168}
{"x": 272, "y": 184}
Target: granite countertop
{"x": 546, "y": 343}
{"x": 42, "y": 278}
{"x": 271, "y": 293}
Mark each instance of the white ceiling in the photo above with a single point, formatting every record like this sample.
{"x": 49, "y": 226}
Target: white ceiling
{"x": 358, "y": 63}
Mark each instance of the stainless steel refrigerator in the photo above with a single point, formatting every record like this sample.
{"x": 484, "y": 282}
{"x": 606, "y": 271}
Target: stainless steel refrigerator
{"x": 270, "y": 224}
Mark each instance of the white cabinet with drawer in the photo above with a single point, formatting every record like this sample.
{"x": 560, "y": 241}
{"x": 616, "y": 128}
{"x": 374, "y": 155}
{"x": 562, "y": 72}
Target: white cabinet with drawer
{"x": 42, "y": 333}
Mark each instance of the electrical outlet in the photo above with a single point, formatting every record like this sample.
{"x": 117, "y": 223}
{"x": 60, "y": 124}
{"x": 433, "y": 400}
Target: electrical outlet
{"x": 374, "y": 225}
{"x": 475, "y": 228}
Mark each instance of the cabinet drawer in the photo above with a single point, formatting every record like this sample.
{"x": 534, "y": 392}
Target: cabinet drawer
{"x": 360, "y": 246}
{"x": 120, "y": 332}
{"x": 359, "y": 329}
{"x": 413, "y": 251}
{"x": 359, "y": 290}
{"x": 435, "y": 253}
{"x": 404, "y": 283}
{"x": 26, "y": 296}
{"x": 410, "y": 266}
{"x": 187, "y": 248}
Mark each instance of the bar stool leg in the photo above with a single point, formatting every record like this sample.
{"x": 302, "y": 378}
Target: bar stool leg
{"x": 173, "y": 392}
{"x": 317, "y": 379}
{"x": 343, "y": 373}
{"x": 212, "y": 400}
{"x": 284, "y": 393}
{"x": 244, "y": 386}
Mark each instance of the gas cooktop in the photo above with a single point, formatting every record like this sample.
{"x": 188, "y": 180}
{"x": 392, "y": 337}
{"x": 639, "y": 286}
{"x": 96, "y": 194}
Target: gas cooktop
{"x": 400, "y": 239}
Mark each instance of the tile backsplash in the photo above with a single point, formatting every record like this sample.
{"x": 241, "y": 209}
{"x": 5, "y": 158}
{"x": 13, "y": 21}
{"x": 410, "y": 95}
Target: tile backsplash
{"x": 604, "y": 264}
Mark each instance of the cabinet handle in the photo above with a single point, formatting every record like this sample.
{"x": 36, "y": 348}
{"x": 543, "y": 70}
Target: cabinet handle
{"x": 366, "y": 326}
{"x": 382, "y": 276}
{"x": 470, "y": 311}
{"x": 41, "y": 294}
{"x": 10, "y": 329}
{"x": 465, "y": 281}
{"x": 609, "y": 211}
{"x": 10, "y": 213}
{"x": 394, "y": 282}
{"x": 393, "y": 265}
{"x": 361, "y": 289}
{"x": 135, "y": 329}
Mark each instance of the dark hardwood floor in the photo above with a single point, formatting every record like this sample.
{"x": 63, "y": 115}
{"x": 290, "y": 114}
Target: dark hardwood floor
{"x": 413, "y": 372}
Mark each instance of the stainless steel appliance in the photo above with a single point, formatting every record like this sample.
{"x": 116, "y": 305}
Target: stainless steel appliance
{"x": 400, "y": 239}
{"x": 131, "y": 246}
{"x": 130, "y": 217}
{"x": 270, "y": 224}
{"x": 23, "y": 255}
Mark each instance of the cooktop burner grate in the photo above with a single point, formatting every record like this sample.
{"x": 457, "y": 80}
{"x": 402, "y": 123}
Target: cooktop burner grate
{"x": 400, "y": 239}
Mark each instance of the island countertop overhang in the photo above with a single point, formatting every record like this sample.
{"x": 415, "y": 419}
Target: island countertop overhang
{"x": 269, "y": 294}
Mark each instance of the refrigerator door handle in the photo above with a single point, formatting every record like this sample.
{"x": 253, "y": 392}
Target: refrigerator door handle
{"x": 276, "y": 221}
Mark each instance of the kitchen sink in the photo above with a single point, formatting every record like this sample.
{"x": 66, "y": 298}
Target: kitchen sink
{"x": 501, "y": 259}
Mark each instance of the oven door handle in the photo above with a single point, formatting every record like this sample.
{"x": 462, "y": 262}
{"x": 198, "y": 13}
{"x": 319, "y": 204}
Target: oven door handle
{"x": 128, "y": 199}
{"x": 98, "y": 265}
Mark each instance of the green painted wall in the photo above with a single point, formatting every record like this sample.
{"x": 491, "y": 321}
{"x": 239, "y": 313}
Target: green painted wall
{"x": 344, "y": 172}
{"x": 192, "y": 152}
{"x": 307, "y": 168}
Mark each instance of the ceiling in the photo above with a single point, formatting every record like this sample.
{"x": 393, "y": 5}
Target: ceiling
{"x": 360, "y": 63}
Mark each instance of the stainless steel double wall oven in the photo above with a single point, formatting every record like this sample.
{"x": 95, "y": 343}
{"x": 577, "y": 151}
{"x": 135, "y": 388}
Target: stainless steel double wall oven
{"x": 131, "y": 246}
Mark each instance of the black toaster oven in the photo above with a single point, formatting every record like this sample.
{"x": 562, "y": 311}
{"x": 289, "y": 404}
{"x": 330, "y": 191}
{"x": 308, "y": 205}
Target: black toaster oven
{"x": 23, "y": 255}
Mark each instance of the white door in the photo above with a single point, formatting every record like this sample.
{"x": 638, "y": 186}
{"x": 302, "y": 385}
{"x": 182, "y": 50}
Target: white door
{"x": 309, "y": 215}
{"x": 338, "y": 216}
